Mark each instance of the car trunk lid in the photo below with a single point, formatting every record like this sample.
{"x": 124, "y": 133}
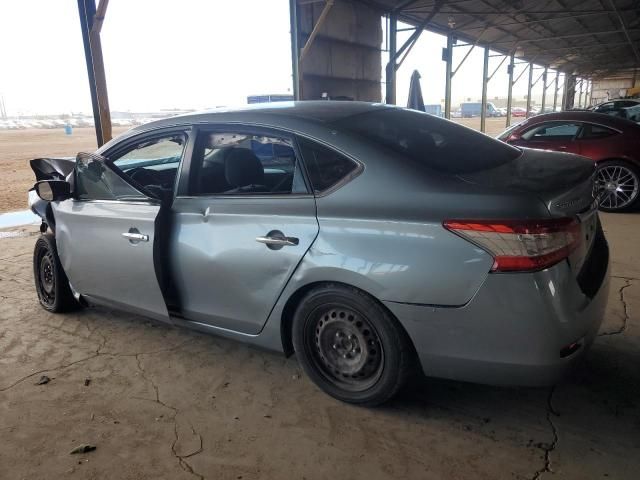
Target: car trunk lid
{"x": 563, "y": 182}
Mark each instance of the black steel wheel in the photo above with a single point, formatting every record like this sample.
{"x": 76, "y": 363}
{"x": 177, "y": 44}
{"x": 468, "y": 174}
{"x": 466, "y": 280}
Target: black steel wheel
{"x": 347, "y": 347}
{"x": 619, "y": 185}
{"x": 52, "y": 285}
{"x": 350, "y": 346}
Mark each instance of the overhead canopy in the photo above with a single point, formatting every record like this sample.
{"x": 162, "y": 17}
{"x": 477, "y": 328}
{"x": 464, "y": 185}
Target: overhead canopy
{"x": 584, "y": 37}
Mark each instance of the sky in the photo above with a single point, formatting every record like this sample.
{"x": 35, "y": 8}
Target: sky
{"x": 163, "y": 54}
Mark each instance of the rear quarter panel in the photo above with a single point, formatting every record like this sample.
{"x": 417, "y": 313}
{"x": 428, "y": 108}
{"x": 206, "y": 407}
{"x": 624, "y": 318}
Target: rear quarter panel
{"x": 382, "y": 232}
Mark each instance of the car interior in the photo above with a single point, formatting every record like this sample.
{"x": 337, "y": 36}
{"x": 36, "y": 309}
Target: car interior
{"x": 244, "y": 164}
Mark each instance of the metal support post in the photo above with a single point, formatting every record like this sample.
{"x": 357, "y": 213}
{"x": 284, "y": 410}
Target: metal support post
{"x": 485, "y": 82}
{"x": 580, "y": 95}
{"x": 510, "y": 92}
{"x": 293, "y": 29}
{"x": 391, "y": 65}
{"x": 544, "y": 89}
{"x": 555, "y": 91}
{"x": 529, "y": 85}
{"x": 448, "y": 57}
{"x": 90, "y": 23}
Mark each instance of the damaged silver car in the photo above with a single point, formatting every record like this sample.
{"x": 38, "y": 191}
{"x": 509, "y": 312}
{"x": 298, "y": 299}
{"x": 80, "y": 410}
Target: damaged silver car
{"x": 370, "y": 240}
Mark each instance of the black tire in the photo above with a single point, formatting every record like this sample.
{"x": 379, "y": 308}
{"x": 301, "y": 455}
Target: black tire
{"x": 51, "y": 282}
{"x": 621, "y": 182}
{"x": 350, "y": 346}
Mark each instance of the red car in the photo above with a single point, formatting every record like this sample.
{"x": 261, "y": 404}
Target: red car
{"x": 518, "y": 112}
{"x": 613, "y": 143}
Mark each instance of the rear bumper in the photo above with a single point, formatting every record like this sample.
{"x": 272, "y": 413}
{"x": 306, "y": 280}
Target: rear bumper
{"x": 512, "y": 332}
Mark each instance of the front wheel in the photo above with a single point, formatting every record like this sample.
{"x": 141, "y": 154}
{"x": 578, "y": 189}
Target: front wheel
{"x": 51, "y": 282}
{"x": 619, "y": 185}
{"x": 350, "y": 346}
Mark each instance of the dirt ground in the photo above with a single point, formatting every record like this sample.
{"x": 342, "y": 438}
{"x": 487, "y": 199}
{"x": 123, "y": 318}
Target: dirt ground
{"x": 163, "y": 402}
{"x": 17, "y": 147}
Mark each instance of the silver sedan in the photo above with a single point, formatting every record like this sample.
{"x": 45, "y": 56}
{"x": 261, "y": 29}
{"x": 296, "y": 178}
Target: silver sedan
{"x": 370, "y": 240}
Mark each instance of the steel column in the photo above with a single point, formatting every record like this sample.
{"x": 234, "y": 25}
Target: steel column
{"x": 99, "y": 72}
{"x": 555, "y": 91}
{"x": 569, "y": 91}
{"x": 485, "y": 82}
{"x": 293, "y": 29}
{"x": 448, "y": 76}
{"x": 544, "y": 89}
{"x": 391, "y": 65}
{"x": 580, "y": 96}
{"x": 529, "y": 85}
{"x": 510, "y": 92}
{"x": 87, "y": 10}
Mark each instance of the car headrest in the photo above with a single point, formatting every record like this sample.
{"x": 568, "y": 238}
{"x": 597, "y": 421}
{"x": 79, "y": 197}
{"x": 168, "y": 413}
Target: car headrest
{"x": 242, "y": 167}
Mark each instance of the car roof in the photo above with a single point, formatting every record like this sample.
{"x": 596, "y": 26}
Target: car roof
{"x": 315, "y": 110}
{"x": 585, "y": 116}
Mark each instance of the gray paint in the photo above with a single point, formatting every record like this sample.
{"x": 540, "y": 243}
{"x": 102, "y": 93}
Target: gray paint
{"x": 101, "y": 263}
{"x": 381, "y": 232}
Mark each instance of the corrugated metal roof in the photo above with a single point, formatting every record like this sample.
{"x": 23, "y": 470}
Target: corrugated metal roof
{"x": 586, "y": 37}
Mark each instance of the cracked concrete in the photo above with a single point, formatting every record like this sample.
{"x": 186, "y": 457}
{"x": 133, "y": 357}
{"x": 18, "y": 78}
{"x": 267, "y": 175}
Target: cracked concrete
{"x": 170, "y": 403}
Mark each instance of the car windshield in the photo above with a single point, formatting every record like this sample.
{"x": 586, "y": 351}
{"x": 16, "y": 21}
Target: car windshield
{"x": 438, "y": 144}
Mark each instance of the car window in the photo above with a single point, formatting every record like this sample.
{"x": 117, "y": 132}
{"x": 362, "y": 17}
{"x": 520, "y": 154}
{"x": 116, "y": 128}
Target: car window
{"x": 605, "y": 106}
{"x": 152, "y": 163}
{"x": 436, "y": 143}
{"x": 591, "y": 131}
{"x": 95, "y": 180}
{"x": 552, "y": 131}
{"x": 157, "y": 154}
{"x": 326, "y": 167}
{"x": 505, "y": 135}
{"x": 234, "y": 163}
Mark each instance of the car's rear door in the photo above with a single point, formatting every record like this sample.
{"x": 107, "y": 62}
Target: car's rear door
{"x": 106, "y": 235}
{"x": 243, "y": 219}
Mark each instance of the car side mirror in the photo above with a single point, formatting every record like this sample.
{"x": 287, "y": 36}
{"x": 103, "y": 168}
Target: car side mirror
{"x": 53, "y": 190}
{"x": 513, "y": 137}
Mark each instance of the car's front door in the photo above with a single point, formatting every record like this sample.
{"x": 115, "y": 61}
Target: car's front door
{"x": 106, "y": 236}
{"x": 243, "y": 219}
{"x": 556, "y": 135}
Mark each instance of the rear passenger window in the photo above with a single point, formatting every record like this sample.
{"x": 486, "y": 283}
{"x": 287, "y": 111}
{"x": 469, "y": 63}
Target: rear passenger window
{"x": 596, "y": 131}
{"x": 234, "y": 163}
{"x": 326, "y": 167}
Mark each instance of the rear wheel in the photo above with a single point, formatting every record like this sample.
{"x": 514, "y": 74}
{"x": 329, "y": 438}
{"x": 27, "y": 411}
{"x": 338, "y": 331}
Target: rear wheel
{"x": 619, "y": 183}
{"x": 51, "y": 282}
{"x": 350, "y": 346}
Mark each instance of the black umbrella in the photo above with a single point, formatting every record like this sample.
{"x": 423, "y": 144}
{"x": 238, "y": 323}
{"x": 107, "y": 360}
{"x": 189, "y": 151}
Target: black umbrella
{"x": 415, "y": 93}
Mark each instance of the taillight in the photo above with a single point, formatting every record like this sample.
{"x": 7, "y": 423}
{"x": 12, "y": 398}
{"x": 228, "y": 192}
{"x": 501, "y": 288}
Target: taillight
{"x": 519, "y": 246}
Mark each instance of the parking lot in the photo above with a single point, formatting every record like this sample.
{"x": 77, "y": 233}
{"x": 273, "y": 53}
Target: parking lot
{"x": 163, "y": 402}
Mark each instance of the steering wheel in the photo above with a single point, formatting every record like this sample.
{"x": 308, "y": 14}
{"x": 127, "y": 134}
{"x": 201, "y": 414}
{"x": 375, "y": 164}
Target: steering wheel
{"x": 145, "y": 177}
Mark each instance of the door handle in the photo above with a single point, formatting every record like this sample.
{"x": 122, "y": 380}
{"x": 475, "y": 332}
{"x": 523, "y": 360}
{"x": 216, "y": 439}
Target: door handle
{"x": 275, "y": 240}
{"x": 282, "y": 242}
{"x": 136, "y": 237}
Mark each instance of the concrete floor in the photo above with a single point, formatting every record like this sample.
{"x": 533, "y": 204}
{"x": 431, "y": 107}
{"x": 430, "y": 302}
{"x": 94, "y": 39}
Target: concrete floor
{"x": 168, "y": 403}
